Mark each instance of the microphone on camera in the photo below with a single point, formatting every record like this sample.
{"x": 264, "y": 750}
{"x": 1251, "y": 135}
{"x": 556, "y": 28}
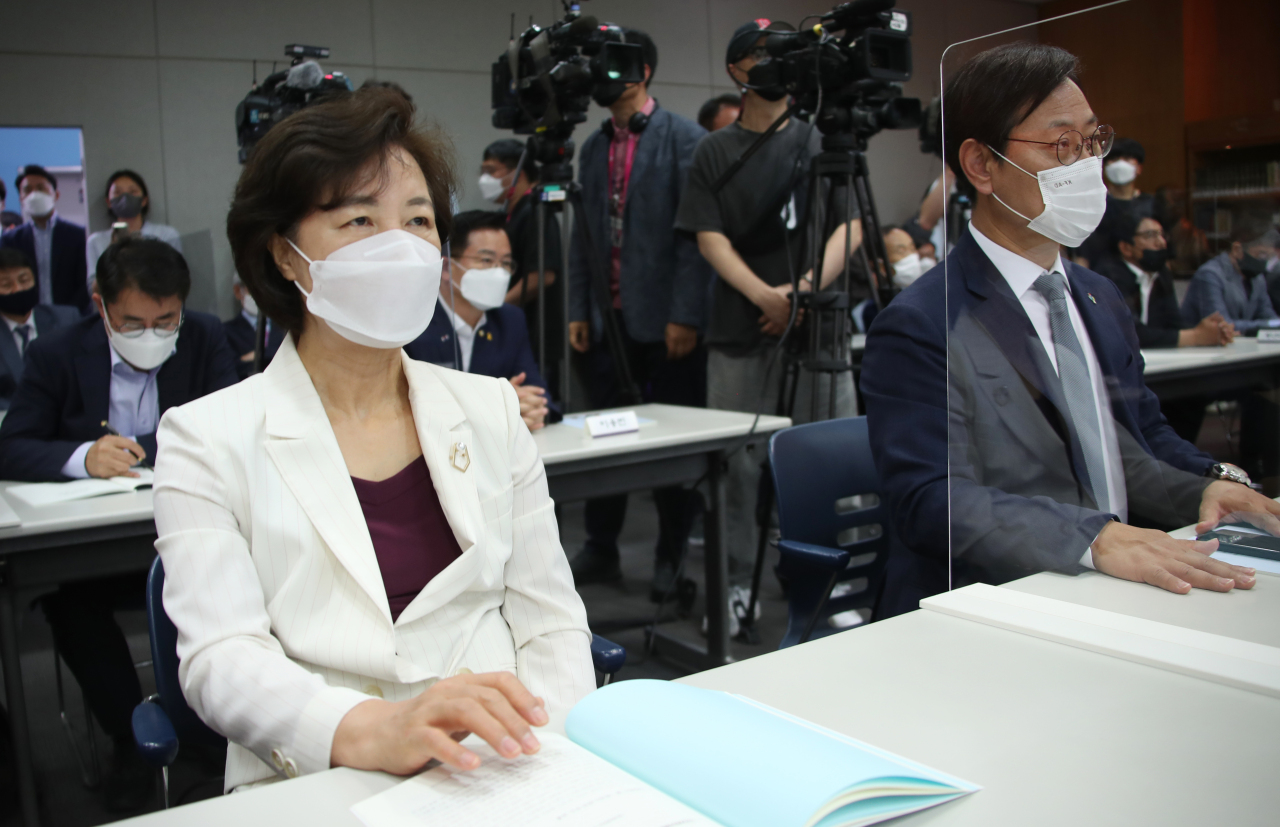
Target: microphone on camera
{"x": 306, "y": 75}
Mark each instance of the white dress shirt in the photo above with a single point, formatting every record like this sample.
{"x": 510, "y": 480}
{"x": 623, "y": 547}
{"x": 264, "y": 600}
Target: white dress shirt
{"x": 17, "y": 337}
{"x": 1021, "y": 273}
{"x": 98, "y": 242}
{"x": 1145, "y": 282}
{"x": 466, "y": 335}
{"x": 43, "y": 240}
{"x": 134, "y": 409}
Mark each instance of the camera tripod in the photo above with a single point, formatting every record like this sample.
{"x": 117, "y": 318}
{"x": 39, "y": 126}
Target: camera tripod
{"x": 843, "y": 165}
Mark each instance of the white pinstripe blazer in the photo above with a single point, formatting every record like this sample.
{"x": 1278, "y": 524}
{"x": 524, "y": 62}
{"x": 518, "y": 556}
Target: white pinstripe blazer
{"x": 273, "y": 583}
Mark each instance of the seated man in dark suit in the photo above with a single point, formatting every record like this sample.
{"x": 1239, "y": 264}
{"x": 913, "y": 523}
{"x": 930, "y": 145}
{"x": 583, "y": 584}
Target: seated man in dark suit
{"x": 242, "y": 331}
{"x": 473, "y": 330}
{"x": 1137, "y": 266}
{"x": 24, "y": 318}
{"x": 56, "y": 246}
{"x": 1009, "y": 422}
{"x": 88, "y": 406}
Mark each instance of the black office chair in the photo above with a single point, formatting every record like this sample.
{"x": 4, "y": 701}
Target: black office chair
{"x": 164, "y": 720}
{"x": 833, "y": 522}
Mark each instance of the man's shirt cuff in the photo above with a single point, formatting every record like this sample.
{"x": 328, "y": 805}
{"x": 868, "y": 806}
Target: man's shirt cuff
{"x": 75, "y": 465}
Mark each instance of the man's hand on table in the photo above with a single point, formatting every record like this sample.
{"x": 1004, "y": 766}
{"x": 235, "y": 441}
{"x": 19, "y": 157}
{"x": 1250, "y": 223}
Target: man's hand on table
{"x": 533, "y": 402}
{"x": 1231, "y": 502}
{"x": 1148, "y": 556}
{"x": 113, "y": 456}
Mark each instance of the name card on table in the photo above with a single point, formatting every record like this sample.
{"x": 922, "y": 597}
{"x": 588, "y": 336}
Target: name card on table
{"x": 1269, "y": 336}
{"x": 608, "y": 424}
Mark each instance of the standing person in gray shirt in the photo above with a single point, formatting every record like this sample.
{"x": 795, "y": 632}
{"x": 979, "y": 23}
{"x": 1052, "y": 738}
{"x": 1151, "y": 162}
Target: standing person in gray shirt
{"x": 1234, "y": 283}
{"x": 752, "y": 232}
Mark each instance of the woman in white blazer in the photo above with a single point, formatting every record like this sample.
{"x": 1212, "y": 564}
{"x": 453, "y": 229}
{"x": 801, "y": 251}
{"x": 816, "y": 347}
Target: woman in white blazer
{"x": 301, "y": 637}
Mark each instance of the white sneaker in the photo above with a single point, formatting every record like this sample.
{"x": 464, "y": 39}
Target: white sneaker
{"x": 739, "y": 599}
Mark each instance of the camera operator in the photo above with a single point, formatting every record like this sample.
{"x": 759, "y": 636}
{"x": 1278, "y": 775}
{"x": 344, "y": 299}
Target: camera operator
{"x": 752, "y": 231}
{"x": 633, "y": 171}
{"x": 500, "y": 183}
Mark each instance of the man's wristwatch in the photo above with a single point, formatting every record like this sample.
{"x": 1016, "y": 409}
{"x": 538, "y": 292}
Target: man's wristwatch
{"x": 1230, "y": 473}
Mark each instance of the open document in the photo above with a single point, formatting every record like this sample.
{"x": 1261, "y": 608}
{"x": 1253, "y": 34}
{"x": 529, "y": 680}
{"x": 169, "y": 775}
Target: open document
{"x": 50, "y": 493}
{"x": 651, "y": 753}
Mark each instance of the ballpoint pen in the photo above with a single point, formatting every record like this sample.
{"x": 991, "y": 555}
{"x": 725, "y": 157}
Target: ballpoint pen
{"x": 113, "y": 432}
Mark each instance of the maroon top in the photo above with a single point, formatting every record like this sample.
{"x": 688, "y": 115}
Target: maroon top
{"x": 410, "y": 532}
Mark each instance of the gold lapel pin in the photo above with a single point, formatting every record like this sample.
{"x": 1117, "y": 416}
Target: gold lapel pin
{"x": 459, "y": 457}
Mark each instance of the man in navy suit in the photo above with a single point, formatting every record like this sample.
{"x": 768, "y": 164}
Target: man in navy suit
{"x": 242, "y": 332}
{"x": 1031, "y": 442}
{"x": 24, "y": 319}
{"x": 56, "y": 246}
{"x": 88, "y": 406}
{"x": 473, "y": 330}
{"x": 633, "y": 173}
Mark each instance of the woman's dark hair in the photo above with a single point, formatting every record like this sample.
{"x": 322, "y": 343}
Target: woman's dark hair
{"x": 137, "y": 179}
{"x": 147, "y": 264}
{"x": 312, "y": 160}
{"x": 995, "y": 91}
{"x": 466, "y": 223}
{"x": 507, "y": 152}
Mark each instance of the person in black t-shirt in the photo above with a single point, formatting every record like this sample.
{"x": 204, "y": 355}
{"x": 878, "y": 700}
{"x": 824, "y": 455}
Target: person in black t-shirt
{"x": 500, "y": 183}
{"x": 752, "y": 232}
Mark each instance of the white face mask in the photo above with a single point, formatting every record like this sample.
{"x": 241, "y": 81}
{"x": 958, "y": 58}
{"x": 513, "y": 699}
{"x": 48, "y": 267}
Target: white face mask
{"x": 1121, "y": 172}
{"x": 378, "y": 292}
{"x": 485, "y": 289}
{"x": 927, "y": 263}
{"x": 491, "y": 189}
{"x": 38, "y": 204}
{"x": 906, "y": 270}
{"x": 250, "y": 306}
{"x": 145, "y": 351}
{"x": 1074, "y": 201}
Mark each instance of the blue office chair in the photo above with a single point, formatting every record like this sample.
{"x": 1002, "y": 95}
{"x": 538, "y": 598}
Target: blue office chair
{"x": 164, "y": 719}
{"x": 834, "y": 523}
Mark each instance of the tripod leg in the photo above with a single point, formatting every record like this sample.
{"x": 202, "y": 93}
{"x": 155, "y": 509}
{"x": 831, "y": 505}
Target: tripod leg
{"x": 540, "y": 211}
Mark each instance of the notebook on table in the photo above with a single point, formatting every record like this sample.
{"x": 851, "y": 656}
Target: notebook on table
{"x": 649, "y": 753}
{"x": 51, "y": 493}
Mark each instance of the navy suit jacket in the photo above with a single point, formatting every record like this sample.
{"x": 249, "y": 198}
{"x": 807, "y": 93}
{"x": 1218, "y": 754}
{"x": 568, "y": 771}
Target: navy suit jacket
{"x": 65, "y": 392}
{"x": 501, "y": 348}
{"x": 48, "y": 318}
{"x": 664, "y": 278}
{"x": 69, "y": 271}
{"x": 964, "y": 520}
{"x": 240, "y": 338}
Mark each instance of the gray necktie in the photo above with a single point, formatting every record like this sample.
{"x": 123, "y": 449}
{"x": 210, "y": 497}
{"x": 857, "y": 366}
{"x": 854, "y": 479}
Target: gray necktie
{"x": 24, "y": 330}
{"x": 1077, "y": 388}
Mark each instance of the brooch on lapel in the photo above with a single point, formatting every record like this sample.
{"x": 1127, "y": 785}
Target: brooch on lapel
{"x": 1091, "y": 298}
{"x": 459, "y": 457}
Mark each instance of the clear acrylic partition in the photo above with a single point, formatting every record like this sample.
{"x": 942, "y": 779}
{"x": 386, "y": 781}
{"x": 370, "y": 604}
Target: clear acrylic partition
{"x": 1043, "y": 442}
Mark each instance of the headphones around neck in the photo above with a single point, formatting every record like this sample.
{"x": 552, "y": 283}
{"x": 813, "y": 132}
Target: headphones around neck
{"x": 636, "y": 123}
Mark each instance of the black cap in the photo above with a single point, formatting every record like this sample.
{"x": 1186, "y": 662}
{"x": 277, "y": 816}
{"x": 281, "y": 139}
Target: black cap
{"x": 746, "y": 35}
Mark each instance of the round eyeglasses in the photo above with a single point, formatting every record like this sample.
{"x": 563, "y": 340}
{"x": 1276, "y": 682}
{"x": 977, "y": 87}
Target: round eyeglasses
{"x": 132, "y": 330}
{"x": 1071, "y": 145}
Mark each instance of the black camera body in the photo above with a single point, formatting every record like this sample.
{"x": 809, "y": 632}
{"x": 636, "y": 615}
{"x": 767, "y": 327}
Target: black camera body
{"x": 544, "y": 83}
{"x": 281, "y": 94}
{"x": 847, "y": 70}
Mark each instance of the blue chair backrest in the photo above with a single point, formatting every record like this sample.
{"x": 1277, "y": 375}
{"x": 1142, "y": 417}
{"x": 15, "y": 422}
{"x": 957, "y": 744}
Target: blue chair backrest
{"x": 164, "y": 656}
{"x": 828, "y": 494}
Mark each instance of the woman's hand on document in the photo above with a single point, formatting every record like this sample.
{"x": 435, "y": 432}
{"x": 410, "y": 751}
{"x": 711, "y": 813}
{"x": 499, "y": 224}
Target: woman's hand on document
{"x": 401, "y": 737}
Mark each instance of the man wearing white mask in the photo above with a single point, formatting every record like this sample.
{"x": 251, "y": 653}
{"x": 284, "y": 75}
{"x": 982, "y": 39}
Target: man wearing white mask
{"x": 88, "y": 405}
{"x": 1120, "y": 171}
{"x": 56, "y": 246}
{"x": 1009, "y": 422}
{"x": 473, "y": 329}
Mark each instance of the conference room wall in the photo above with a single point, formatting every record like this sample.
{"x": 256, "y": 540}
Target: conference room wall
{"x": 154, "y": 83}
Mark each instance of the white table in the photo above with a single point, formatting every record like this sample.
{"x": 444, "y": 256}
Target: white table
{"x": 1175, "y": 373}
{"x": 1054, "y": 734}
{"x": 114, "y": 535}
{"x": 679, "y": 447}
{"x": 57, "y": 544}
